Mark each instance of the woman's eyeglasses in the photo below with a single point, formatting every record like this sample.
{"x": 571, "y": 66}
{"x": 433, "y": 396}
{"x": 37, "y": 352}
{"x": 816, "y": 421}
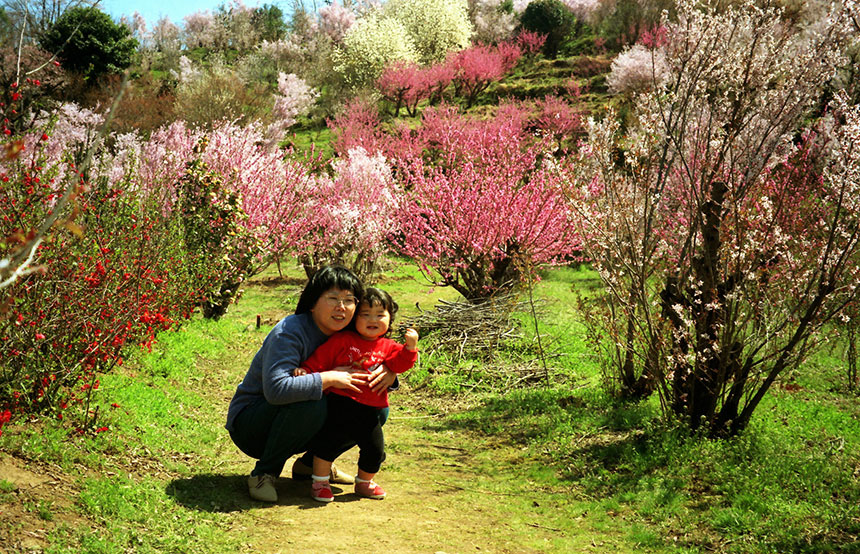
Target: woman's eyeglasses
{"x": 334, "y": 301}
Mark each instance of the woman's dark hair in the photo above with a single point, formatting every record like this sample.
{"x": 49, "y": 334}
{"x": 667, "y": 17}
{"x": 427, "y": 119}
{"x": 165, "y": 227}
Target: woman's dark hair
{"x": 373, "y": 297}
{"x": 329, "y": 277}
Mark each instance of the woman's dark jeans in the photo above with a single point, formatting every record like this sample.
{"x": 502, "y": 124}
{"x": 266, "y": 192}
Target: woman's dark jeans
{"x": 272, "y": 434}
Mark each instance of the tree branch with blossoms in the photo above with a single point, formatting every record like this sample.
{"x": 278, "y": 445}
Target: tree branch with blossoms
{"x": 18, "y": 263}
{"x": 725, "y": 242}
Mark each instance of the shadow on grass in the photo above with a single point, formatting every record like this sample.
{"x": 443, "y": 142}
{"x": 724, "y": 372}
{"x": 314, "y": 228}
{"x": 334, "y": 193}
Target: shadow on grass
{"x": 219, "y": 493}
{"x": 584, "y": 433}
{"x": 745, "y": 490}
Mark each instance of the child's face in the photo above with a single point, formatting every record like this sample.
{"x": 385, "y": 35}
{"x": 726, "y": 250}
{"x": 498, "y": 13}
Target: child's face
{"x": 372, "y": 321}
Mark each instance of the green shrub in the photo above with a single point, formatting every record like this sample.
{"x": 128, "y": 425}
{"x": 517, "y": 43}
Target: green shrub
{"x": 550, "y": 18}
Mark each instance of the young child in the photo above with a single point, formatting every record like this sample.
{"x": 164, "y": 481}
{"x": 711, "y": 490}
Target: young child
{"x": 353, "y": 417}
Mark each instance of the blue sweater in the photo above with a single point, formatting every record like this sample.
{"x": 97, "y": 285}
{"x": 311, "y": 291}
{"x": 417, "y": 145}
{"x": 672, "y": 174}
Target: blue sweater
{"x": 287, "y": 345}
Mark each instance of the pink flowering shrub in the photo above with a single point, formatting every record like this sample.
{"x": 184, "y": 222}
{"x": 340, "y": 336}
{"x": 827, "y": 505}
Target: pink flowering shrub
{"x": 476, "y": 67}
{"x": 482, "y": 200}
{"x": 358, "y": 126}
{"x": 530, "y": 42}
{"x": 438, "y": 77}
{"x": 404, "y": 84}
{"x": 559, "y": 119}
{"x": 483, "y": 204}
{"x": 348, "y": 217}
{"x": 75, "y": 129}
{"x": 269, "y": 185}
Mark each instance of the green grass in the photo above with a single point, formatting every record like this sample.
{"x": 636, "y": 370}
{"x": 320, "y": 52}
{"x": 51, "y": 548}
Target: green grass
{"x": 789, "y": 483}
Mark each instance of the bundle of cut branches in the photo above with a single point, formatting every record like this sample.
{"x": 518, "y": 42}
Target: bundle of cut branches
{"x": 469, "y": 329}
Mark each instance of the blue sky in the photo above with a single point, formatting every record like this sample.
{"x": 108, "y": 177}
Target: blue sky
{"x": 175, "y": 10}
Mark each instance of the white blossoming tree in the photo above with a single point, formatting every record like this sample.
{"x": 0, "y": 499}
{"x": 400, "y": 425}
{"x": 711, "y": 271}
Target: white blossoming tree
{"x": 369, "y": 45}
{"x": 637, "y": 69}
{"x": 435, "y": 27}
{"x": 726, "y": 234}
{"x": 294, "y": 99}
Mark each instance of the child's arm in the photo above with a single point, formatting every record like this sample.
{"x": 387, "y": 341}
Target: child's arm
{"x": 404, "y": 356}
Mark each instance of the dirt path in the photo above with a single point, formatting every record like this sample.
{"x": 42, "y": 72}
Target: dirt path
{"x": 449, "y": 491}
{"x": 441, "y": 499}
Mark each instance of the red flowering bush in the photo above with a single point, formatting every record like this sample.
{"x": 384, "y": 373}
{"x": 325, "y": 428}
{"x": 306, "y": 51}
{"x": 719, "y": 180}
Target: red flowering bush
{"x": 110, "y": 274}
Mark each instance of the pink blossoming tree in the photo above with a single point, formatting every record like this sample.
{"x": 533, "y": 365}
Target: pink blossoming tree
{"x": 348, "y": 218}
{"x": 477, "y": 67}
{"x": 335, "y": 20}
{"x": 404, "y": 84}
{"x": 483, "y": 203}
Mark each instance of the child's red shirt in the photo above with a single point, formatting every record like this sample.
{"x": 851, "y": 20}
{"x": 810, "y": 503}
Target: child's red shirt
{"x": 348, "y": 348}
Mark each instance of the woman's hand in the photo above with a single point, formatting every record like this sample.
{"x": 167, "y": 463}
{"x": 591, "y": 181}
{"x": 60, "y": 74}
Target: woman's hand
{"x": 342, "y": 380}
{"x": 380, "y": 379}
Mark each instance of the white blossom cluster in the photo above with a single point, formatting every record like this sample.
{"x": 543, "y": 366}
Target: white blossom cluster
{"x": 492, "y": 25}
{"x": 295, "y": 98}
{"x": 638, "y": 69}
{"x": 372, "y": 43}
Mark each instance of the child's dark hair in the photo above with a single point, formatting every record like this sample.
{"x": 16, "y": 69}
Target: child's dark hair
{"x": 329, "y": 277}
{"x": 373, "y": 297}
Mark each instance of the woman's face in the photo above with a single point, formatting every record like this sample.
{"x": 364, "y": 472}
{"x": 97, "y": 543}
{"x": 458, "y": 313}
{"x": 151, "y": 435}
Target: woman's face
{"x": 333, "y": 310}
